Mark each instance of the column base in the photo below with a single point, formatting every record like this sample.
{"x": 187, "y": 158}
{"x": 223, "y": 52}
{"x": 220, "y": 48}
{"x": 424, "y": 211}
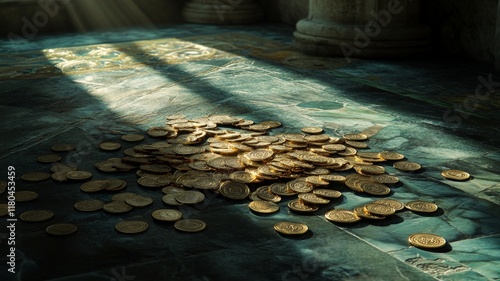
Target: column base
{"x": 222, "y": 12}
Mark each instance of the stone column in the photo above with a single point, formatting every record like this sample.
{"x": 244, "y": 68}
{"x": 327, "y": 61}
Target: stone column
{"x": 497, "y": 40}
{"x": 222, "y": 11}
{"x": 362, "y": 28}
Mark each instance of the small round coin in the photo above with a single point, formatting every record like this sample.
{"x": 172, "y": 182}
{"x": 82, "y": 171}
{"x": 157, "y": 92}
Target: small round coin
{"x": 362, "y": 212}
{"x": 49, "y": 158}
{"x": 421, "y": 206}
{"x": 63, "y": 147}
{"x": 35, "y": 176}
{"x": 189, "y": 197}
{"x": 299, "y": 206}
{"x": 391, "y": 156}
{"x": 95, "y": 186}
{"x": 167, "y": 215}
{"x": 169, "y": 199}
{"x": 234, "y": 190}
{"x": 36, "y": 215}
{"x": 327, "y": 193}
{"x": 25, "y": 196}
{"x": 312, "y": 198}
{"x": 379, "y": 209}
{"x": 109, "y": 146}
{"x": 398, "y": 206}
{"x": 312, "y": 130}
{"x": 61, "y": 229}
{"x": 407, "y": 166}
{"x": 455, "y": 175}
{"x": 342, "y": 216}
{"x": 132, "y": 137}
{"x": 264, "y": 207}
{"x": 90, "y": 205}
{"x": 374, "y": 188}
{"x": 190, "y": 225}
{"x": 131, "y": 227}
{"x": 426, "y": 240}
{"x": 78, "y": 175}
{"x": 138, "y": 201}
{"x": 291, "y": 228}
{"x": 384, "y": 178}
{"x": 116, "y": 207}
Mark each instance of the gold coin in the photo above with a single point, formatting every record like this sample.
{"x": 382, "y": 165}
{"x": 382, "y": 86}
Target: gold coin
{"x": 369, "y": 169}
{"x": 36, "y": 215}
{"x": 281, "y": 189}
{"x": 189, "y": 197}
{"x": 271, "y": 124}
{"x": 332, "y": 177}
{"x": 398, "y": 206}
{"x": 426, "y": 240}
{"x": 206, "y": 183}
{"x": 316, "y": 180}
{"x": 35, "y": 176}
{"x": 59, "y": 176}
{"x": 384, "y": 179}
{"x": 355, "y": 137}
{"x": 334, "y": 147}
{"x": 264, "y": 193}
{"x": 95, "y": 185}
{"x": 116, "y": 207}
{"x": 63, "y": 147}
{"x": 61, "y": 229}
{"x": 49, "y": 158}
{"x": 132, "y": 137}
{"x": 234, "y": 190}
{"x": 265, "y": 207}
{"x": 110, "y": 146}
{"x": 407, "y": 166}
{"x": 259, "y": 155}
{"x": 356, "y": 144}
{"x": 312, "y": 130}
{"x": 361, "y": 212}
{"x": 392, "y": 156}
{"x": 90, "y": 205}
{"x": 78, "y": 175}
{"x": 116, "y": 185}
{"x": 120, "y": 197}
{"x": 169, "y": 199}
{"x": 167, "y": 215}
{"x": 421, "y": 206}
{"x": 373, "y": 188}
{"x": 455, "y": 175}
{"x": 131, "y": 227}
{"x": 190, "y": 225}
{"x": 379, "y": 209}
{"x": 343, "y": 216}
{"x": 327, "y": 193}
{"x": 299, "y": 206}
{"x": 25, "y": 196}
{"x": 153, "y": 182}
{"x": 242, "y": 176}
{"x": 291, "y": 228}
{"x": 138, "y": 201}
{"x": 353, "y": 184}
{"x": 312, "y": 198}
{"x": 299, "y": 186}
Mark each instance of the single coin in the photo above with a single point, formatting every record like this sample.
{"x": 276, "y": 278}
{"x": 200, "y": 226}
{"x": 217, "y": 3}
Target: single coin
{"x": 272, "y": 124}
{"x": 391, "y": 156}
{"x": 262, "y": 206}
{"x": 78, "y": 175}
{"x": 373, "y": 188}
{"x": 361, "y": 212}
{"x": 355, "y": 137}
{"x": 421, "y": 206}
{"x": 388, "y": 179}
{"x": 190, "y": 225}
{"x": 259, "y": 154}
{"x": 281, "y": 189}
{"x": 59, "y": 176}
{"x": 61, "y": 229}
{"x": 167, "y": 215}
{"x": 90, "y": 205}
{"x": 132, "y": 137}
{"x": 49, "y": 158}
{"x": 312, "y": 130}
{"x": 343, "y": 216}
{"x": 131, "y": 227}
{"x": 95, "y": 186}
{"x": 331, "y": 177}
{"x": 206, "y": 183}
{"x": 369, "y": 169}
{"x": 109, "y": 146}
{"x": 153, "y": 182}
{"x": 116, "y": 185}
{"x": 170, "y": 199}
{"x": 299, "y": 206}
{"x": 234, "y": 190}
{"x": 36, "y": 215}
{"x": 312, "y": 198}
{"x": 316, "y": 180}
{"x": 35, "y": 176}
{"x": 138, "y": 201}
{"x": 398, "y": 206}
{"x": 63, "y": 147}
{"x": 379, "y": 209}
{"x": 291, "y": 228}
{"x": 264, "y": 193}
{"x": 25, "y": 196}
{"x": 300, "y": 186}
{"x": 407, "y": 166}
{"x": 116, "y": 207}
{"x": 426, "y": 240}
{"x": 120, "y": 197}
{"x": 327, "y": 193}
{"x": 455, "y": 175}
{"x": 189, "y": 197}
{"x": 242, "y": 176}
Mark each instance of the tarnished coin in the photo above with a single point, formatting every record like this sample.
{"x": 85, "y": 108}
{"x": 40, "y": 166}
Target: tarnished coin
{"x": 116, "y": 207}
{"x": 131, "y": 227}
{"x": 312, "y": 130}
{"x": 206, "y": 183}
{"x": 332, "y": 177}
{"x": 90, "y": 205}
{"x": 313, "y": 198}
{"x": 426, "y": 240}
{"x": 138, "y": 201}
{"x": 259, "y": 154}
{"x": 95, "y": 186}
{"x": 265, "y": 207}
{"x": 379, "y": 209}
{"x": 116, "y": 185}
{"x": 327, "y": 193}
{"x": 234, "y": 190}
{"x": 120, "y": 197}
{"x": 190, "y": 225}
{"x": 455, "y": 175}
{"x": 36, "y": 215}
{"x": 291, "y": 228}
{"x": 407, "y": 166}
{"x": 299, "y": 206}
{"x": 300, "y": 186}
{"x": 242, "y": 176}
{"x": 392, "y": 156}
{"x": 153, "y": 182}
{"x": 355, "y": 137}
{"x": 78, "y": 175}
{"x": 109, "y": 146}
{"x": 63, "y": 147}
{"x": 132, "y": 137}
{"x": 421, "y": 206}
{"x": 25, "y": 196}
{"x": 169, "y": 199}
{"x": 189, "y": 197}
{"x": 374, "y": 188}
{"x": 167, "y": 215}
{"x": 281, "y": 189}
{"x": 398, "y": 206}
{"x": 369, "y": 169}
{"x": 384, "y": 179}
{"x": 49, "y": 158}
{"x": 356, "y": 144}
{"x": 361, "y": 212}
{"x": 35, "y": 176}
{"x": 61, "y": 229}
{"x": 272, "y": 124}
{"x": 343, "y": 216}
{"x": 264, "y": 193}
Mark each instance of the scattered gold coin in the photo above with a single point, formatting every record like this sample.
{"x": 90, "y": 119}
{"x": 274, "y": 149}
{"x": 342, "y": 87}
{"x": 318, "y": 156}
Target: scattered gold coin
{"x": 35, "y": 176}
{"x": 63, "y": 147}
{"x": 291, "y": 228}
{"x": 426, "y": 240}
{"x": 327, "y": 193}
{"x": 49, "y": 158}
{"x": 61, "y": 229}
{"x": 89, "y": 205}
{"x": 190, "y": 225}
{"x": 265, "y": 207}
{"x": 379, "y": 209}
{"x": 234, "y": 190}
{"x": 455, "y": 175}
{"x": 110, "y": 146}
{"x": 25, "y": 196}
{"x": 131, "y": 227}
{"x": 421, "y": 206}
{"x": 138, "y": 201}
{"x": 36, "y": 215}
{"x": 342, "y": 216}
{"x": 167, "y": 215}
{"x": 312, "y": 130}
{"x": 116, "y": 207}
{"x": 407, "y": 166}
{"x": 78, "y": 175}
{"x": 398, "y": 206}
{"x": 95, "y": 185}
{"x": 132, "y": 137}
{"x": 299, "y": 206}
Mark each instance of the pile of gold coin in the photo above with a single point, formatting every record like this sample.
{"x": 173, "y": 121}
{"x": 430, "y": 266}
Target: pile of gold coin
{"x": 241, "y": 159}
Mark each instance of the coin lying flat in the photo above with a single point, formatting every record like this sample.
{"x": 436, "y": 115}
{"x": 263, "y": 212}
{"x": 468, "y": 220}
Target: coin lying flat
{"x": 291, "y": 228}
{"x": 312, "y": 130}
{"x": 190, "y": 225}
{"x": 281, "y": 189}
{"x": 167, "y": 215}
{"x": 373, "y": 188}
{"x": 78, "y": 175}
{"x": 342, "y": 216}
{"x": 299, "y": 206}
{"x": 234, "y": 190}
{"x": 327, "y": 193}
{"x": 426, "y": 240}
{"x": 109, "y": 146}
{"x": 265, "y": 207}
{"x": 392, "y": 156}
{"x": 379, "y": 209}
{"x": 25, "y": 196}
{"x": 398, "y": 206}
{"x": 169, "y": 199}
{"x": 361, "y": 212}
{"x": 138, "y": 201}
{"x": 131, "y": 227}
{"x": 90, "y": 205}
{"x": 384, "y": 178}
{"x": 242, "y": 176}
{"x": 49, "y": 158}
{"x": 61, "y": 229}
{"x": 94, "y": 186}
{"x": 407, "y": 166}
{"x": 116, "y": 207}
{"x": 120, "y": 197}
{"x": 455, "y": 175}
{"x": 313, "y": 198}
{"x": 63, "y": 147}
{"x": 421, "y": 206}
{"x": 189, "y": 197}
{"x": 132, "y": 137}
{"x": 36, "y": 215}
{"x": 35, "y": 176}
{"x": 264, "y": 194}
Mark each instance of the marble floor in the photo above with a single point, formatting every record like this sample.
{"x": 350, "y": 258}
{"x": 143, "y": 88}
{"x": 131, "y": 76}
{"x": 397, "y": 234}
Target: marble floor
{"x": 87, "y": 88}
